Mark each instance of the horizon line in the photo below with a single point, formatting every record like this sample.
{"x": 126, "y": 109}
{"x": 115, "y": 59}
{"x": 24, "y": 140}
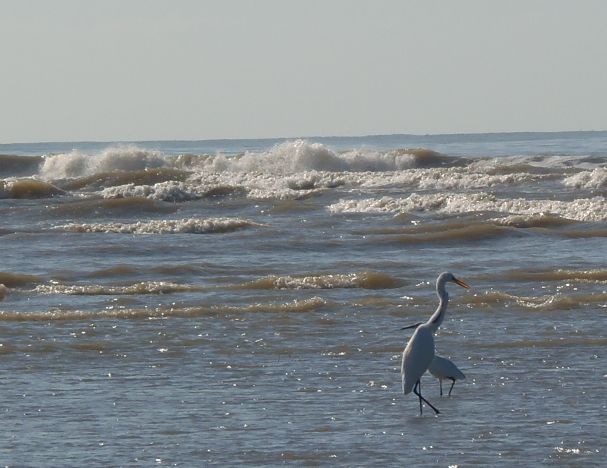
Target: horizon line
{"x": 378, "y": 135}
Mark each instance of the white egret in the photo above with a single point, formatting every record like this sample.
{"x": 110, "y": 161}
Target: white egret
{"x": 419, "y": 352}
{"x": 442, "y": 368}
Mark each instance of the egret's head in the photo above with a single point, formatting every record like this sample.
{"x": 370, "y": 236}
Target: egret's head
{"x": 449, "y": 277}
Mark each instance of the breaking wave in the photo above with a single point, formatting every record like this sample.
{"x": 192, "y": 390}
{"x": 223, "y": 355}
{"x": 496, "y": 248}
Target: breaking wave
{"x": 172, "y": 191}
{"x": 301, "y": 156}
{"x": 111, "y": 179}
{"x": 285, "y": 158}
{"x": 451, "y": 178}
{"x": 191, "y": 226}
{"x": 78, "y": 164}
{"x": 594, "y": 180}
{"x": 584, "y": 209}
{"x": 306, "y": 169}
{"x": 165, "y": 191}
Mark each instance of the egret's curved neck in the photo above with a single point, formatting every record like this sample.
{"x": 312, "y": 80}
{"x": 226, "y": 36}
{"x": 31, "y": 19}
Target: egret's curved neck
{"x": 437, "y": 317}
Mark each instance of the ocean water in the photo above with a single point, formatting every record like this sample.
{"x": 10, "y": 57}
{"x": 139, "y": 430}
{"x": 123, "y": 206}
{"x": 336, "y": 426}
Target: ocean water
{"x": 240, "y": 301}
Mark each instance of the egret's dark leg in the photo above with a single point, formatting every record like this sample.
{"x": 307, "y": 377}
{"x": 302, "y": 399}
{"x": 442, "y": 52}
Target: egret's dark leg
{"x": 452, "y": 384}
{"x": 440, "y": 382}
{"x": 418, "y": 385}
{"x": 420, "y": 397}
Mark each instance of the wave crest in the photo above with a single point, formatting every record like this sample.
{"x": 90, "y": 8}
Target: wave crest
{"x": 541, "y": 220}
{"x": 583, "y": 209}
{"x": 296, "y": 306}
{"x": 172, "y": 191}
{"x": 558, "y": 301}
{"x": 588, "y": 180}
{"x": 28, "y": 189}
{"x": 19, "y": 165}
{"x": 14, "y": 280}
{"x": 301, "y": 156}
{"x": 290, "y": 157}
{"x": 364, "y": 280}
{"x": 165, "y": 191}
{"x": 144, "y": 287}
{"x": 78, "y": 164}
{"x": 558, "y": 275}
{"x": 111, "y": 179}
{"x": 191, "y": 226}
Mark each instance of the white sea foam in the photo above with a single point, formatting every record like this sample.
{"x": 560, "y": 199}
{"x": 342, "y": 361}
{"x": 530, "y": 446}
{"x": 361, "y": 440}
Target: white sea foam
{"x": 255, "y": 186}
{"x": 261, "y": 186}
{"x": 290, "y": 157}
{"x": 294, "y": 306}
{"x": 304, "y": 184}
{"x": 584, "y": 209}
{"x": 589, "y": 180}
{"x": 300, "y": 156}
{"x": 440, "y": 179}
{"x": 79, "y": 164}
{"x": 532, "y": 220}
{"x": 365, "y": 279}
{"x": 171, "y": 191}
{"x": 291, "y": 170}
{"x": 191, "y": 226}
{"x": 144, "y": 287}
{"x": 548, "y": 162}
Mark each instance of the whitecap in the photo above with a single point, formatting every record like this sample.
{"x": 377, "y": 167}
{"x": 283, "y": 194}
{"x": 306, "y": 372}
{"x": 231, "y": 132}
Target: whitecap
{"x": 298, "y": 156}
{"x": 584, "y": 209}
{"x": 189, "y": 226}
{"x": 588, "y": 180}
{"x": 170, "y": 191}
{"x": 79, "y": 164}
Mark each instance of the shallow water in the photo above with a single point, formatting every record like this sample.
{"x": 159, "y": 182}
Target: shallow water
{"x": 187, "y": 303}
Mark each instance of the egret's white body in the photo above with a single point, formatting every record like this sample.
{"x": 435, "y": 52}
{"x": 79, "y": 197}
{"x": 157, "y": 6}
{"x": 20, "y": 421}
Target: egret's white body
{"x": 419, "y": 352}
{"x": 442, "y": 368}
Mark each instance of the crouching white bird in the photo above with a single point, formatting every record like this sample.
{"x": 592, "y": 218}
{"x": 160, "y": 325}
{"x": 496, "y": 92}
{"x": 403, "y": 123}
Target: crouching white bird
{"x": 419, "y": 352}
{"x": 443, "y": 369}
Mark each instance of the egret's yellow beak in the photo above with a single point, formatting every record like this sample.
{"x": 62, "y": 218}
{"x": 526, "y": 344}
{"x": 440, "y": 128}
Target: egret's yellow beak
{"x": 463, "y": 284}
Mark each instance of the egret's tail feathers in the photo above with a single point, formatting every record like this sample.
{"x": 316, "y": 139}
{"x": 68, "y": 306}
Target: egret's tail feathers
{"x": 407, "y": 386}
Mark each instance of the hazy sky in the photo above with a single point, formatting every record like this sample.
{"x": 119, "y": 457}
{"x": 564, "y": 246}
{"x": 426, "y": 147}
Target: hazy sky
{"x": 196, "y": 69}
